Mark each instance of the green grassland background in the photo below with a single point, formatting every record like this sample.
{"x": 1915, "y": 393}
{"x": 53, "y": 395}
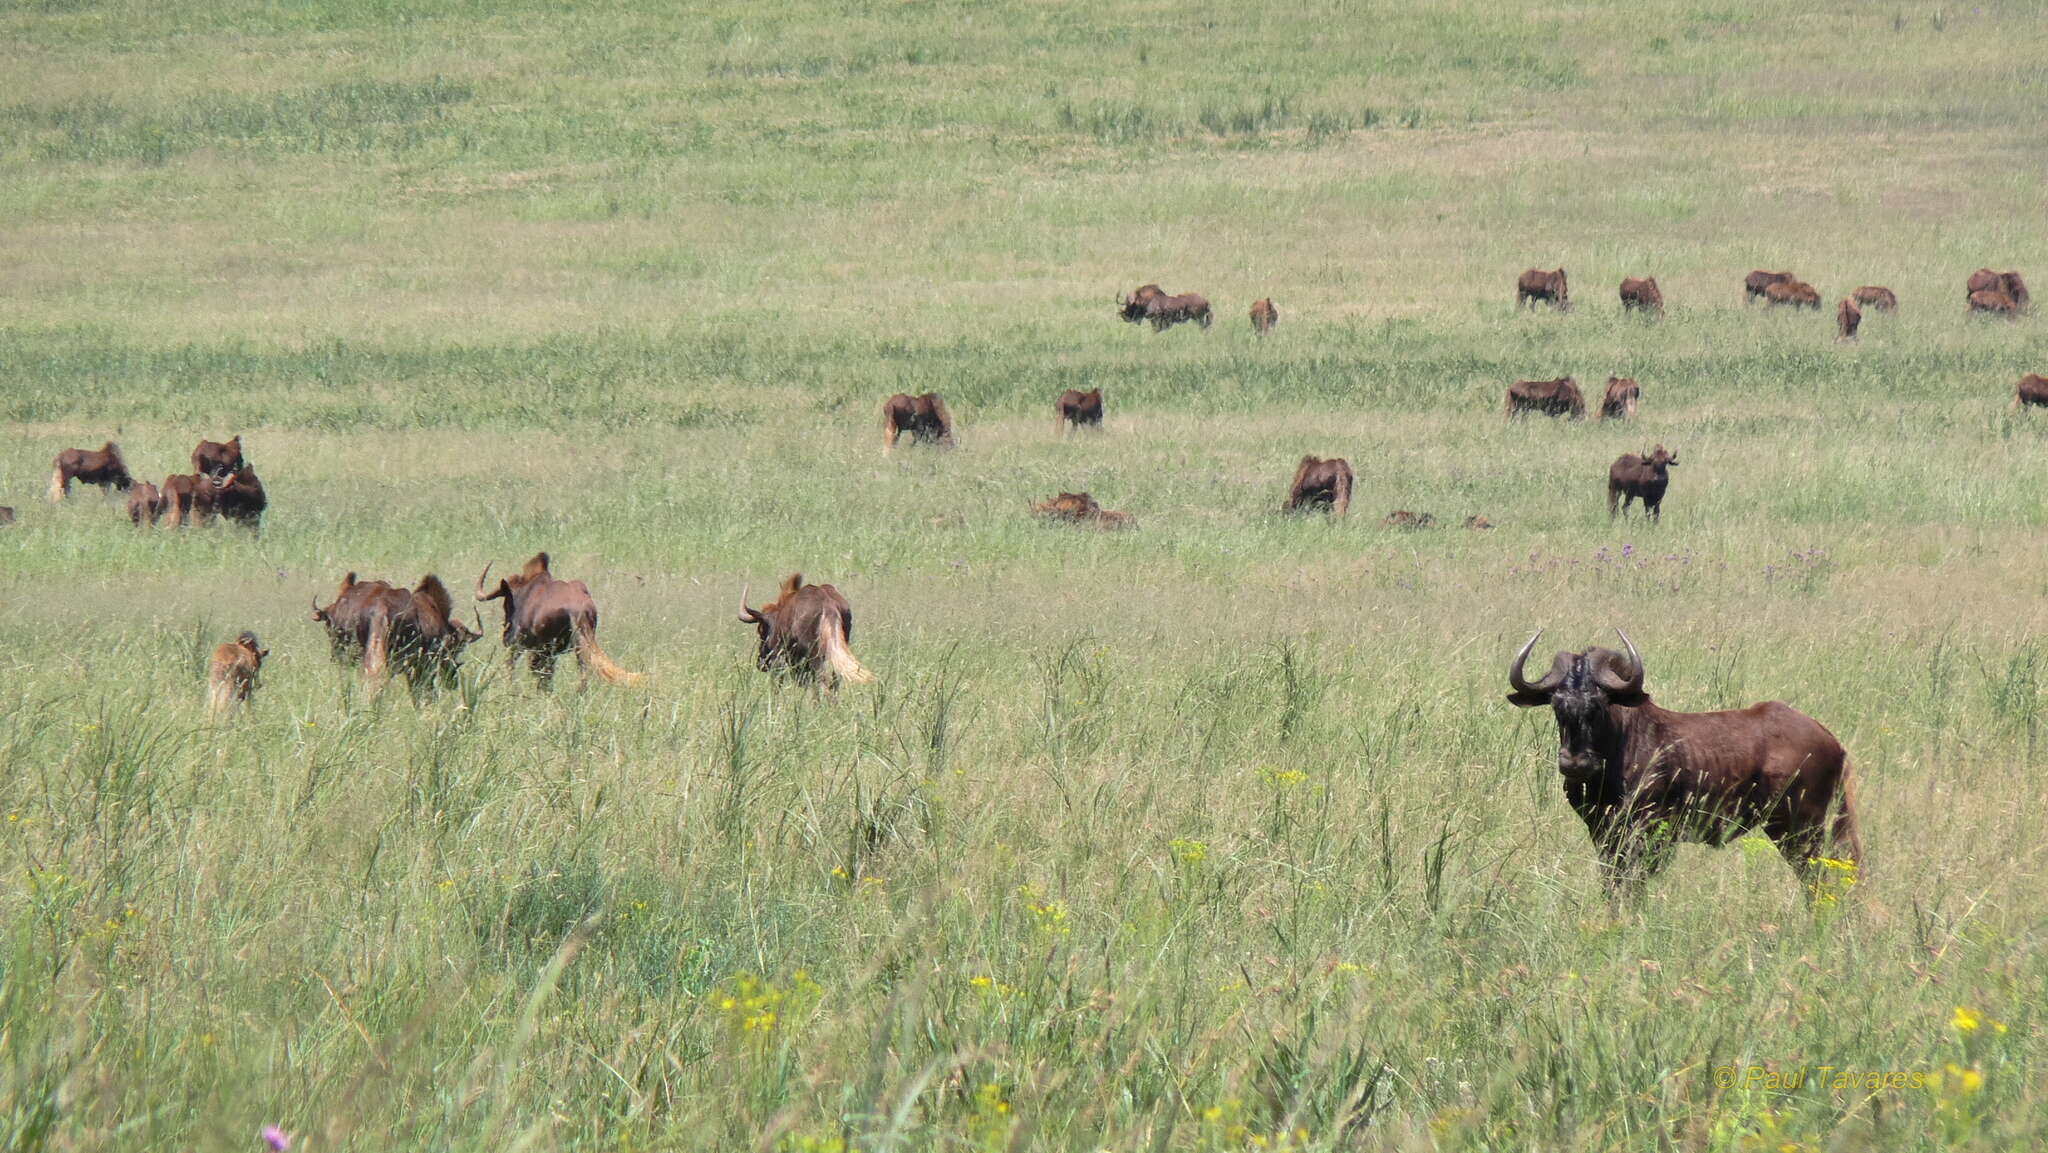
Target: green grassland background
{"x": 1213, "y": 836}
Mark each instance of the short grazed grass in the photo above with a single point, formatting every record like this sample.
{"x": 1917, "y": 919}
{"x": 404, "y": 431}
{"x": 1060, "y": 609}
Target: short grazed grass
{"x": 1213, "y": 836}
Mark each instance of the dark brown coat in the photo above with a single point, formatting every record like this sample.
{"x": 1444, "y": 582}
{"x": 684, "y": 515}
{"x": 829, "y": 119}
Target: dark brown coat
{"x": 1264, "y": 316}
{"x": 1075, "y": 408}
{"x": 187, "y": 499}
{"x": 1163, "y": 312}
{"x": 1560, "y": 397}
{"x": 924, "y": 417}
{"x": 2017, "y": 289}
{"x": 1793, "y": 294}
{"x": 1644, "y": 779}
{"x": 101, "y": 466}
{"x": 1758, "y": 284}
{"x": 1994, "y": 302}
{"x": 145, "y": 504}
{"x": 545, "y": 618}
{"x": 1548, "y": 287}
{"x": 1080, "y": 508}
{"x": 1641, "y": 478}
{"x": 1642, "y": 296}
{"x": 806, "y": 631}
{"x": 2010, "y": 283}
{"x": 1320, "y": 485}
{"x": 1876, "y": 297}
{"x": 238, "y": 496}
{"x": 1848, "y": 318}
{"x": 216, "y": 458}
{"x": 383, "y": 626}
{"x": 1620, "y": 399}
{"x": 2032, "y": 391}
{"x": 1131, "y": 307}
{"x": 231, "y": 675}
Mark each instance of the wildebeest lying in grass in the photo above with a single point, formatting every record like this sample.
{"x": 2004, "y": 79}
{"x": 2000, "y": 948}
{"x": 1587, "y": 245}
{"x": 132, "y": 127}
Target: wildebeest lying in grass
{"x": 1644, "y": 778}
{"x": 807, "y": 631}
{"x": 1075, "y": 408}
{"x": 1403, "y": 519}
{"x": 1758, "y": 284}
{"x": 386, "y": 626}
{"x": 1080, "y": 508}
{"x": 1560, "y": 397}
{"x": 231, "y": 675}
{"x": 2009, "y": 283}
{"x": 217, "y": 458}
{"x": 924, "y": 417}
{"x": 1848, "y": 318}
{"x": 1642, "y": 296}
{"x": 1322, "y": 485}
{"x": 1876, "y": 297}
{"x": 145, "y": 504}
{"x": 1619, "y": 400}
{"x": 1792, "y": 294}
{"x": 2032, "y": 391}
{"x": 101, "y": 466}
{"x": 546, "y": 617}
{"x": 1550, "y": 288}
{"x": 1641, "y": 478}
{"x": 1264, "y": 315}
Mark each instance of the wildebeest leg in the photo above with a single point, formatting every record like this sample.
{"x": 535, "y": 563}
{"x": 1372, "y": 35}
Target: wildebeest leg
{"x": 543, "y": 663}
{"x": 1656, "y": 510}
{"x": 1613, "y": 499}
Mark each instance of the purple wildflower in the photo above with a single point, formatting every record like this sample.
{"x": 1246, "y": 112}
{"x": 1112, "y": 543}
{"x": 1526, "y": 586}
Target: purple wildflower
{"x": 276, "y": 1138}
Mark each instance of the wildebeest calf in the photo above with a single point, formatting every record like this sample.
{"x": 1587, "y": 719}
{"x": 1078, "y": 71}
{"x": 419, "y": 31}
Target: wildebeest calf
{"x": 924, "y": 417}
{"x": 1848, "y": 318}
{"x": 1641, "y": 478}
{"x": 1548, "y": 287}
{"x": 231, "y": 676}
{"x": 1642, "y": 296}
{"x": 1075, "y": 408}
{"x": 1619, "y": 401}
{"x": 1875, "y": 297}
{"x": 1323, "y": 485}
{"x": 1080, "y": 508}
{"x": 145, "y": 504}
{"x": 101, "y": 466}
{"x": 2032, "y": 391}
{"x": 1264, "y": 316}
{"x": 1560, "y": 397}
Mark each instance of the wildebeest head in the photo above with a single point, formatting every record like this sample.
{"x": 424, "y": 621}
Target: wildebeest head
{"x": 1132, "y": 306}
{"x": 217, "y": 459}
{"x": 1582, "y": 689}
{"x": 1659, "y": 460}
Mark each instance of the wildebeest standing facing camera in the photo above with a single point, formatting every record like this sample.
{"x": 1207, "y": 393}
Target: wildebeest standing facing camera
{"x": 1548, "y": 287}
{"x": 1793, "y": 294}
{"x": 924, "y": 417}
{"x": 145, "y": 504}
{"x": 1320, "y": 485}
{"x": 1641, "y": 478}
{"x": 101, "y": 466}
{"x": 807, "y": 630}
{"x": 217, "y": 458}
{"x": 1644, "y": 778}
{"x": 1075, "y": 408}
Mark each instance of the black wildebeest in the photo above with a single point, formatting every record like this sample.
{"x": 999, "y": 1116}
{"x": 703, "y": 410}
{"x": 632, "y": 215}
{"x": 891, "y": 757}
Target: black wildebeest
{"x": 1848, "y": 318}
{"x": 546, "y": 617}
{"x": 1644, "y": 778}
{"x": 1075, "y": 408}
{"x": 1081, "y": 508}
{"x": 806, "y": 631}
{"x": 1131, "y": 306}
{"x": 1641, "y": 478}
{"x": 1994, "y": 302}
{"x": 2009, "y": 283}
{"x": 1321, "y": 485}
{"x": 2032, "y": 391}
{"x": 217, "y": 458}
{"x": 101, "y": 466}
{"x": 1548, "y": 287}
{"x": 1163, "y": 312}
{"x": 924, "y": 417}
{"x": 1560, "y": 397}
{"x": 1619, "y": 400}
{"x": 1792, "y": 294}
{"x": 1264, "y": 315}
{"x": 1876, "y": 297}
{"x": 231, "y": 675}
{"x": 187, "y": 498}
{"x": 145, "y": 504}
{"x": 1758, "y": 284}
{"x": 1642, "y": 296}
{"x": 238, "y": 496}
{"x": 384, "y": 625}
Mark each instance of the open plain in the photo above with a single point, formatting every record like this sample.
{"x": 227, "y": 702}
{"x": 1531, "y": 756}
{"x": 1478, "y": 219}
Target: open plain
{"x": 1214, "y": 835}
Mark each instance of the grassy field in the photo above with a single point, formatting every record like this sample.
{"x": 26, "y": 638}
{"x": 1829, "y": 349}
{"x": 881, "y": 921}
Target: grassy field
{"x": 1214, "y": 836}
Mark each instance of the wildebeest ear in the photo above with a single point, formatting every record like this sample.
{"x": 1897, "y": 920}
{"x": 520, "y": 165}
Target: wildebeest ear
{"x": 790, "y": 584}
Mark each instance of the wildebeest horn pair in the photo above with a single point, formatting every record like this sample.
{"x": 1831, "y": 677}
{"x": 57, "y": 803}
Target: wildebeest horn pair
{"x": 1629, "y": 680}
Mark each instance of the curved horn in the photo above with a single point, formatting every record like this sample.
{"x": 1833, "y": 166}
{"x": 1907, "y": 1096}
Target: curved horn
{"x": 480, "y": 581}
{"x": 1521, "y": 684}
{"x": 747, "y": 616}
{"x": 1629, "y": 682}
{"x": 315, "y": 598}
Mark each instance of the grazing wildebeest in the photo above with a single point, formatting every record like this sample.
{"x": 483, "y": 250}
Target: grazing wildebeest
{"x": 231, "y": 676}
{"x": 1264, "y": 316}
{"x": 1876, "y": 297}
{"x": 1758, "y": 284}
{"x": 1131, "y": 307}
{"x": 2010, "y": 283}
{"x": 187, "y": 498}
{"x": 1075, "y": 408}
{"x": 1792, "y": 293}
{"x": 2032, "y": 391}
{"x": 1645, "y": 779}
{"x": 238, "y": 496}
{"x": 1402, "y": 518}
{"x": 1322, "y": 485}
{"x": 1642, "y": 295}
{"x": 1549, "y": 287}
{"x": 217, "y": 458}
{"x": 546, "y": 617}
{"x": 924, "y": 417}
{"x": 145, "y": 504}
{"x": 101, "y": 466}
{"x": 806, "y": 631}
{"x": 1848, "y": 318}
{"x": 1641, "y": 478}
{"x": 1163, "y": 312}
{"x": 1560, "y": 397}
{"x": 1080, "y": 508}
{"x": 384, "y": 625}
{"x": 1620, "y": 400}
{"x": 1994, "y": 302}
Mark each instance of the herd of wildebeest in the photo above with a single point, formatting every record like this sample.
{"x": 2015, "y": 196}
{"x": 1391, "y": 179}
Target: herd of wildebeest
{"x": 1643, "y": 778}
